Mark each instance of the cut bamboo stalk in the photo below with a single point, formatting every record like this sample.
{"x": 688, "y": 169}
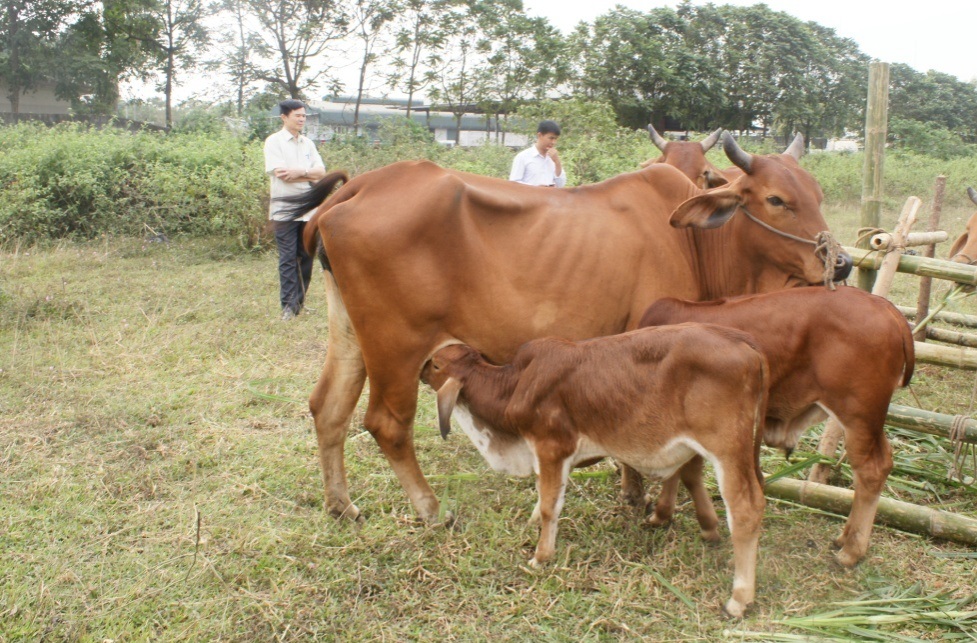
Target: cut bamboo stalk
{"x": 908, "y": 417}
{"x": 833, "y": 430}
{"x": 955, "y": 356}
{"x": 885, "y": 240}
{"x": 957, "y": 319}
{"x": 951, "y": 337}
{"x": 890, "y": 263}
{"x": 914, "y": 265}
{"x": 926, "y": 283}
{"x": 894, "y": 513}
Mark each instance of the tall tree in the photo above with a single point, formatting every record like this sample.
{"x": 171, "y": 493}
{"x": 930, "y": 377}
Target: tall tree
{"x": 300, "y": 32}
{"x": 525, "y": 57}
{"x": 420, "y": 34}
{"x": 462, "y": 79}
{"x": 28, "y": 32}
{"x": 239, "y": 52}
{"x": 370, "y": 18}
{"x": 180, "y": 34}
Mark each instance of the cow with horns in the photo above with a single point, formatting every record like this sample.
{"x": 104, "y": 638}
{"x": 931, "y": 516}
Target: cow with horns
{"x": 689, "y": 158}
{"x": 419, "y": 257}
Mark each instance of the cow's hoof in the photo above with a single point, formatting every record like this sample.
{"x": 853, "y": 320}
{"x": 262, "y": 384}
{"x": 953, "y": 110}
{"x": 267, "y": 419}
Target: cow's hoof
{"x": 847, "y": 559}
{"x": 734, "y": 608}
{"x": 350, "y": 512}
{"x": 711, "y": 536}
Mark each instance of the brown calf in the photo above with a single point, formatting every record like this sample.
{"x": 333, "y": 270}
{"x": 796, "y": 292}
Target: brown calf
{"x": 653, "y": 398}
{"x": 841, "y": 352}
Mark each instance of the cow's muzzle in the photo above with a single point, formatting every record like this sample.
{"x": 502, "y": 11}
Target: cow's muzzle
{"x": 843, "y": 266}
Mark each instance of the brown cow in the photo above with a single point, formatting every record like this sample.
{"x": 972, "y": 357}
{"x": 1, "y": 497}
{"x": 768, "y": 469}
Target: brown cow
{"x": 841, "y": 352}
{"x": 689, "y": 158}
{"x": 420, "y": 257}
{"x": 653, "y": 398}
{"x": 964, "y": 249}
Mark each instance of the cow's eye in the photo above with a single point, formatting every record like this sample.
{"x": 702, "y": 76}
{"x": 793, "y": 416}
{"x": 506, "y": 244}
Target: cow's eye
{"x": 775, "y": 201}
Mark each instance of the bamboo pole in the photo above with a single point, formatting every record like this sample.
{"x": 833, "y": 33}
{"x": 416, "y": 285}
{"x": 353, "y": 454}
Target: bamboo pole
{"x": 926, "y": 283}
{"x": 950, "y": 337}
{"x": 876, "y": 118}
{"x": 833, "y": 429}
{"x": 922, "y": 266}
{"x": 894, "y": 513}
{"x": 955, "y": 356}
{"x": 957, "y": 319}
{"x": 907, "y": 417}
{"x": 884, "y": 240}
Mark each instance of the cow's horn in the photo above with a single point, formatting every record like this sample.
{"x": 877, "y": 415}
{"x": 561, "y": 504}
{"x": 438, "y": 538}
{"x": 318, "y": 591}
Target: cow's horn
{"x": 710, "y": 141}
{"x": 972, "y": 193}
{"x": 796, "y": 148}
{"x": 656, "y": 138}
{"x": 742, "y": 160}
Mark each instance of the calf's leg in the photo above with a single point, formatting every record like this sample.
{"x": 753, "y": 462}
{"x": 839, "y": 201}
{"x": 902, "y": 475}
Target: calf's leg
{"x": 551, "y": 484}
{"x": 870, "y": 456}
{"x": 691, "y": 476}
{"x": 745, "y": 502}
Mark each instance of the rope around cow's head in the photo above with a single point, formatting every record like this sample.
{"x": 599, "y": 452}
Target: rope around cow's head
{"x": 826, "y": 247}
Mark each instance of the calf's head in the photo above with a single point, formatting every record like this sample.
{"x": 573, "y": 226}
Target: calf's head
{"x": 445, "y": 373}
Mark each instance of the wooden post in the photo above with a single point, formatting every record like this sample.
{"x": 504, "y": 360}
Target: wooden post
{"x": 895, "y": 513}
{"x": 926, "y": 283}
{"x": 876, "y": 119}
{"x": 833, "y": 429}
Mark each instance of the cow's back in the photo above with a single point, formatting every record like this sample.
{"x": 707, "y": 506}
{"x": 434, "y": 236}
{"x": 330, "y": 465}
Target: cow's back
{"x": 493, "y": 263}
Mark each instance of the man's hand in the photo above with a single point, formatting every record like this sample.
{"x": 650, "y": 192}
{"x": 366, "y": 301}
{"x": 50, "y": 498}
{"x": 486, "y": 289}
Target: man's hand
{"x": 291, "y": 174}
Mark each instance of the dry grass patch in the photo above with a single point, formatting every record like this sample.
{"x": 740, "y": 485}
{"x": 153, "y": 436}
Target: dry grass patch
{"x": 146, "y": 385}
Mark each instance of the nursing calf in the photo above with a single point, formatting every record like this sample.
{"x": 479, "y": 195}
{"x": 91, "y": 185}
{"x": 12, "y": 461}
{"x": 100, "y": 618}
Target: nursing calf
{"x": 653, "y": 398}
{"x": 841, "y": 353}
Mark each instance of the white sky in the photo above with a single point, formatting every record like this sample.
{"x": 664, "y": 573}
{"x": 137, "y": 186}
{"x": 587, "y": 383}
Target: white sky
{"x": 938, "y": 36}
{"x": 925, "y": 36}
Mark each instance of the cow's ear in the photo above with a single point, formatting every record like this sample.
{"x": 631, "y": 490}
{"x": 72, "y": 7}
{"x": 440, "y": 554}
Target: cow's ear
{"x": 959, "y": 244}
{"x": 715, "y": 179}
{"x": 707, "y": 210}
{"x": 447, "y": 398}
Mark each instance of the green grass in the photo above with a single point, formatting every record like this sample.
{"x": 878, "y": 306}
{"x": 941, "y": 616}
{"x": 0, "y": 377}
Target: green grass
{"x": 145, "y": 385}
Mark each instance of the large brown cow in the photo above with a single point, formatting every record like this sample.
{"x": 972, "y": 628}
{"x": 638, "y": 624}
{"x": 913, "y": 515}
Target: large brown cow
{"x": 420, "y": 257}
{"x": 964, "y": 248}
{"x": 689, "y": 158}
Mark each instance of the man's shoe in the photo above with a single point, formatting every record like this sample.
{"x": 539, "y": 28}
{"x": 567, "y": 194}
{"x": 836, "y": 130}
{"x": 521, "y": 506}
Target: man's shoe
{"x": 288, "y": 314}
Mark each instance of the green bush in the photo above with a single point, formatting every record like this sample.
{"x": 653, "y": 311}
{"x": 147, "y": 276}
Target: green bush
{"x": 71, "y": 181}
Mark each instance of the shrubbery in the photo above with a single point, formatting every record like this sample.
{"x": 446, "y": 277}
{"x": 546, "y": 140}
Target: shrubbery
{"x": 72, "y": 181}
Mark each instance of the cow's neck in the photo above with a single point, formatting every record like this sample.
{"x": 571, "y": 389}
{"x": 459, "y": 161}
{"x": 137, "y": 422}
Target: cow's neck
{"x": 722, "y": 270}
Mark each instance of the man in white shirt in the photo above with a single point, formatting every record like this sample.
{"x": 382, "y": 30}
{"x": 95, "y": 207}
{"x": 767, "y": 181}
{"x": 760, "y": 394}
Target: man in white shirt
{"x": 540, "y": 164}
{"x": 293, "y": 163}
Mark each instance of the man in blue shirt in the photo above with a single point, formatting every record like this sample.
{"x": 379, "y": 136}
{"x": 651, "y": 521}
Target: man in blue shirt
{"x": 540, "y": 163}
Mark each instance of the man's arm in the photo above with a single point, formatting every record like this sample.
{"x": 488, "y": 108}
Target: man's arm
{"x": 518, "y": 173}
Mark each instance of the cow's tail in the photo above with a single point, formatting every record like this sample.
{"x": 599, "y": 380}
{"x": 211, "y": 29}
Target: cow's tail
{"x": 908, "y": 344}
{"x": 760, "y": 412}
{"x": 298, "y": 205}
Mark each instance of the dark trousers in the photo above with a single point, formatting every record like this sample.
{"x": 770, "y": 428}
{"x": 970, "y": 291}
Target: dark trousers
{"x": 294, "y": 264}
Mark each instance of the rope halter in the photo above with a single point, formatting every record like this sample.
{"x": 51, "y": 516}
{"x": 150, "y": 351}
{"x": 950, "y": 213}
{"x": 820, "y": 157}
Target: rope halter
{"x": 826, "y": 247}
